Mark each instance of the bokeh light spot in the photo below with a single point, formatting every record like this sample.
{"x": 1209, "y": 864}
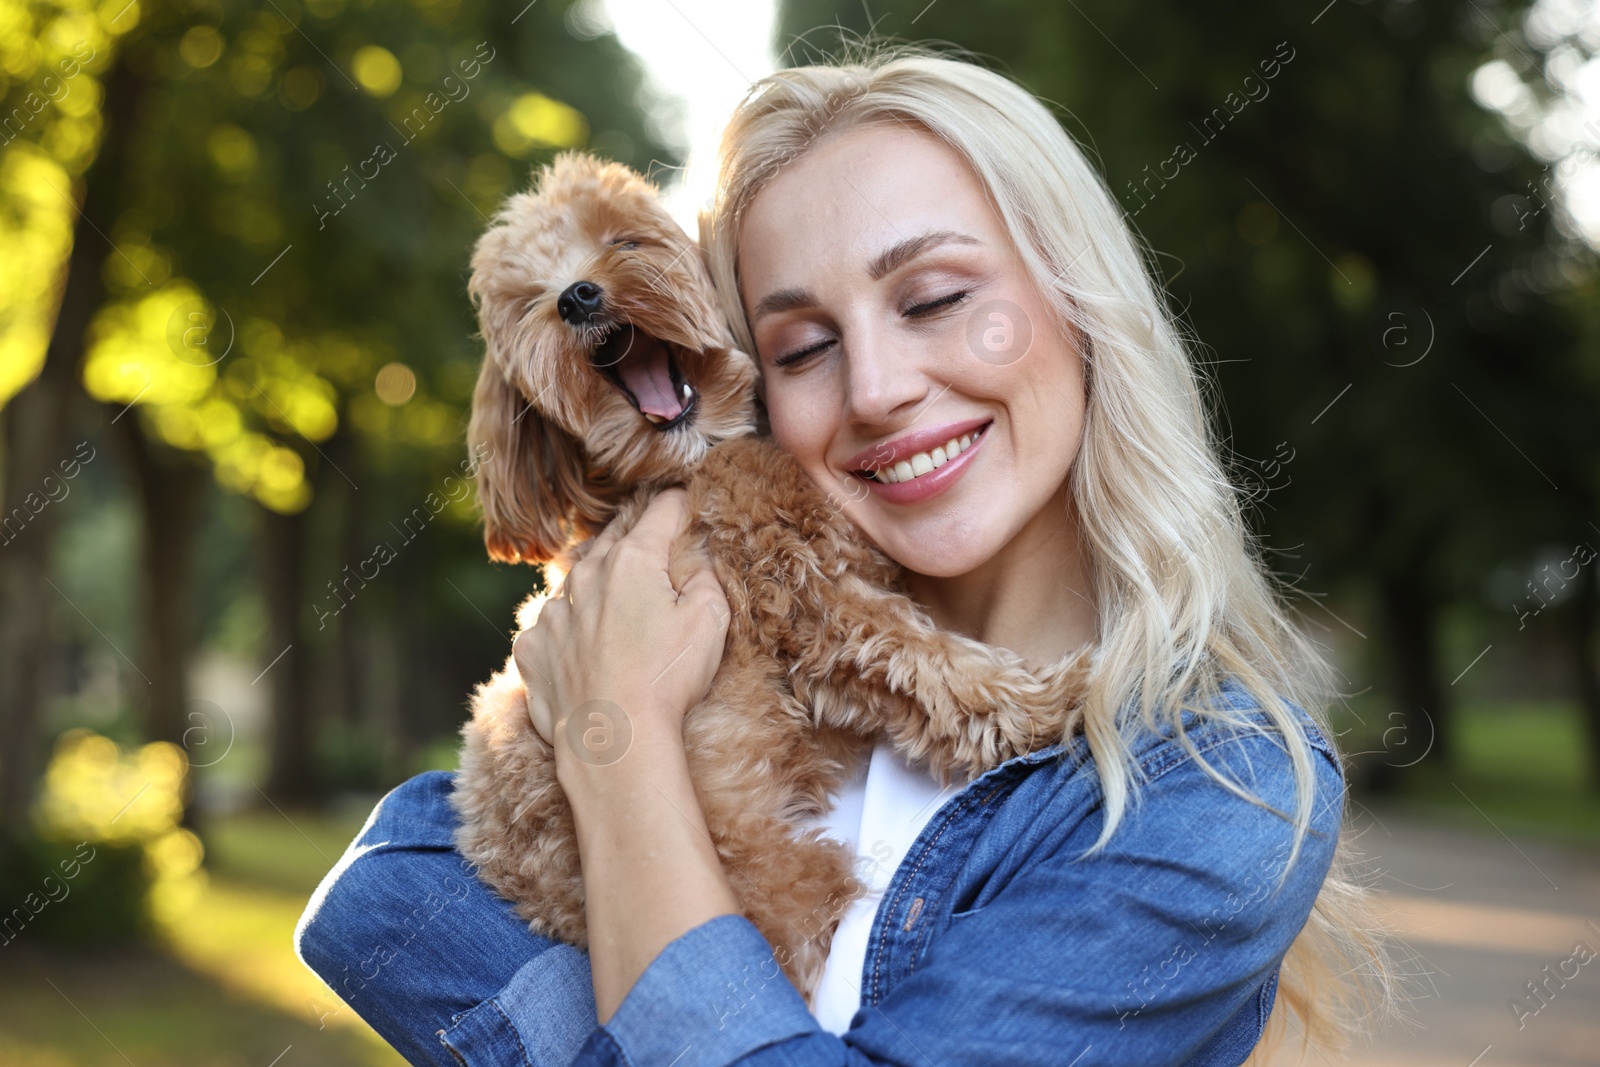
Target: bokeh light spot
{"x": 377, "y": 70}
{"x": 200, "y": 47}
{"x": 395, "y": 384}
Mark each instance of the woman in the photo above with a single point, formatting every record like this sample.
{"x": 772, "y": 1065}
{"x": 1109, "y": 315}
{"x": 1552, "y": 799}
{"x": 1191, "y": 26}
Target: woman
{"x": 917, "y": 253}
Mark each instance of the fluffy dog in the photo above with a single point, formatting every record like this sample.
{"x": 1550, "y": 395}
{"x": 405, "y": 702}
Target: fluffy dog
{"x": 609, "y": 375}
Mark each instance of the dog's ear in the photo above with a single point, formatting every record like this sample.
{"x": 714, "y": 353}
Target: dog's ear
{"x": 532, "y": 482}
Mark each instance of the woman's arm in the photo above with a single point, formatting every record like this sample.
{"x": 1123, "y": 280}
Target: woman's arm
{"x": 623, "y": 651}
{"x": 409, "y": 939}
{"x": 650, "y": 872}
{"x": 1162, "y": 949}
{"x": 1139, "y": 954}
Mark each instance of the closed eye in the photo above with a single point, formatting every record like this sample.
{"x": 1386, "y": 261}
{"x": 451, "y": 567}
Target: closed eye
{"x": 934, "y": 305}
{"x": 915, "y": 311}
{"x": 794, "y": 357}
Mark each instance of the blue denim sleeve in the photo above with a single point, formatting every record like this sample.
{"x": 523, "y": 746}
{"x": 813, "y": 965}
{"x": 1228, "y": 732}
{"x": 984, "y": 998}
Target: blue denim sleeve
{"x": 408, "y": 937}
{"x": 1138, "y": 954}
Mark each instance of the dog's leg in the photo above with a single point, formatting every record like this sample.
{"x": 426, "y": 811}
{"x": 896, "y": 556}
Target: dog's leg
{"x": 758, "y": 768}
{"x": 868, "y": 659}
{"x": 516, "y": 826}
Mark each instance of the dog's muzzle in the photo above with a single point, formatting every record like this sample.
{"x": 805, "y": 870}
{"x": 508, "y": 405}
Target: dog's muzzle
{"x": 579, "y": 303}
{"x": 646, "y": 371}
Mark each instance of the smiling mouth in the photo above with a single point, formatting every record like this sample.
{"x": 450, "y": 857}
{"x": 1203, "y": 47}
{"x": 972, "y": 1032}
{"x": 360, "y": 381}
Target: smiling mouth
{"x": 645, "y": 370}
{"x": 915, "y": 466}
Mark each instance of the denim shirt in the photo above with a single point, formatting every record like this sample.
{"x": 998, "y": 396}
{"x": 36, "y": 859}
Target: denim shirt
{"x": 996, "y": 943}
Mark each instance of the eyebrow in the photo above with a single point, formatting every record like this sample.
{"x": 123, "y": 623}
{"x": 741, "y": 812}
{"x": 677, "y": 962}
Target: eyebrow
{"x": 912, "y": 247}
{"x": 889, "y": 260}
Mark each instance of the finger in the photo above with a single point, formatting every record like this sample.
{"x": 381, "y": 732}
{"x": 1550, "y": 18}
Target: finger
{"x": 663, "y": 520}
{"x": 604, "y": 540}
{"x": 702, "y": 585}
{"x": 524, "y": 650}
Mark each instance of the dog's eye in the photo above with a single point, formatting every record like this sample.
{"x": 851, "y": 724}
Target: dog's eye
{"x": 624, "y": 242}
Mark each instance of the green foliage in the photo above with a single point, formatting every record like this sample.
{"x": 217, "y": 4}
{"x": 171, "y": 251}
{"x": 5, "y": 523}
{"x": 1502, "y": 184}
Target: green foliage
{"x": 74, "y": 895}
{"x": 104, "y": 834}
{"x": 350, "y": 757}
{"x": 296, "y": 213}
{"x": 290, "y": 223}
{"x": 1369, "y": 264}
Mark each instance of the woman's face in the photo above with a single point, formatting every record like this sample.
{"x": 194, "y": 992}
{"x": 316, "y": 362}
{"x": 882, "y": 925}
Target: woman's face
{"x": 892, "y": 315}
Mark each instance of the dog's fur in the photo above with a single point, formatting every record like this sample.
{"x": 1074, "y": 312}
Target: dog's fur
{"x": 824, "y": 654}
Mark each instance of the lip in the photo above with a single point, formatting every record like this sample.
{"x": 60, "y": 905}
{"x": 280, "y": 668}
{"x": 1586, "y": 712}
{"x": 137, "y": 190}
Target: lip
{"x": 931, "y": 484}
{"x": 890, "y": 452}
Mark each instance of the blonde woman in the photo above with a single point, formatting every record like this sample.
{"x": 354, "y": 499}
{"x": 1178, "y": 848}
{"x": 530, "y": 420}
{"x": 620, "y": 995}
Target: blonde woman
{"x": 917, "y": 254}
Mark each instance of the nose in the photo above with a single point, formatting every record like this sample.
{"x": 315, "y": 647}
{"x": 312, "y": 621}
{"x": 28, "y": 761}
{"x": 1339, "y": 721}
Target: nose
{"x": 579, "y": 303}
{"x": 881, "y": 378}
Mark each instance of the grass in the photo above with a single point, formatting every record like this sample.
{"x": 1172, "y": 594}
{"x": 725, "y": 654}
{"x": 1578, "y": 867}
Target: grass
{"x": 1521, "y": 767}
{"x": 222, "y": 989}
{"x": 269, "y": 849}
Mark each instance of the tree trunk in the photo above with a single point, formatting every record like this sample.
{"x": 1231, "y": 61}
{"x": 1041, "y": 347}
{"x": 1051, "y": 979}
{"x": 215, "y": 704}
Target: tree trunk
{"x": 1410, "y": 621}
{"x": 292, "y": 778}
{"x": 39, "y": 425}
{"x": 171, "y": 489}
{"x": 352, "y": 547}
{"x": 38, "y": 429}
{"x": 1586, "y": 658}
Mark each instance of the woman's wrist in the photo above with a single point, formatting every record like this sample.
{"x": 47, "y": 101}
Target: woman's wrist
{"x": 651, "y": 872}
{"x": 600, "y": 743}
{"x": 639, "y": 769}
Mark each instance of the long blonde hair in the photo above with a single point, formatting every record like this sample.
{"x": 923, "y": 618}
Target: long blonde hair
{"x": 1183, "y": 597}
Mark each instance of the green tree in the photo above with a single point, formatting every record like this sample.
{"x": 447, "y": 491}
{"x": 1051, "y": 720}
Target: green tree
{"x": 1362, "y": 253}
{"x": 279, "y": 296}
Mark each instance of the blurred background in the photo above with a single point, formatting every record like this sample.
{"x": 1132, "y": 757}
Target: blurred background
{"x": 242, "y": 586}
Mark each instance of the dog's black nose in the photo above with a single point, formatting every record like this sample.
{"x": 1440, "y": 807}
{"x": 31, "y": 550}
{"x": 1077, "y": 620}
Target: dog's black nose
{"x": 579, "y": 303}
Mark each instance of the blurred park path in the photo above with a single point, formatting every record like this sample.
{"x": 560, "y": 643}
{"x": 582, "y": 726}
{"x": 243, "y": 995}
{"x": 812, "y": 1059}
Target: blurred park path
{"x": 1483, "y": 915}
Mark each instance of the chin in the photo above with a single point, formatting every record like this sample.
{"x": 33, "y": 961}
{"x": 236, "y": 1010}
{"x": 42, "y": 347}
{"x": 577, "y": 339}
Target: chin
{"x": 946, "y": 550}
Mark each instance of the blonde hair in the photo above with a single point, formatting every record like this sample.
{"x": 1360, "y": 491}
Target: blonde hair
{"x": 1183, "y": 597}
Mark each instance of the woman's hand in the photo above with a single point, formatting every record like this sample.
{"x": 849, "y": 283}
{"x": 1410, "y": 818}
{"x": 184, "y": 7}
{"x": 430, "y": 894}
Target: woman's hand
{"x": 613, "y": 664}
{"x": 618, "y": 652}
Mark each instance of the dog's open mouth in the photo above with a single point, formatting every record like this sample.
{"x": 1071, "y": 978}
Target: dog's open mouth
{"x": 645, "y": 370}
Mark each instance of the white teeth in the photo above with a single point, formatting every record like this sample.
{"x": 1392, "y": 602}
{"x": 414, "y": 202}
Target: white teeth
{"x": 654, "y": 418}
{"x": 684, "y": 392}
{"x": 923, "y": 462}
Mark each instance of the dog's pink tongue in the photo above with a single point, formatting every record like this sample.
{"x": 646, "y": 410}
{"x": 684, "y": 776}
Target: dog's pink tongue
{"x": 644, "y": 372}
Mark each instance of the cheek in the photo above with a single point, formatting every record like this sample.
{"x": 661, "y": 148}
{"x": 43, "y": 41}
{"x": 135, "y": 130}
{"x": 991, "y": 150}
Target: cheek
{"x": 800, "y": 441}
{"x": 1058, "y": 376}
{"x": 801, "y": 426}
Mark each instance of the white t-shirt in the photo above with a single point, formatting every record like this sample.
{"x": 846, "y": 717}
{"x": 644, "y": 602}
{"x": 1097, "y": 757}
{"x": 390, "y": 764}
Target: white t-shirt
{"x": 879, "y": 812}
